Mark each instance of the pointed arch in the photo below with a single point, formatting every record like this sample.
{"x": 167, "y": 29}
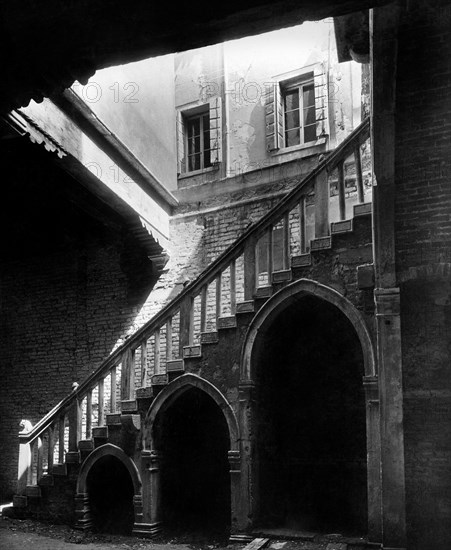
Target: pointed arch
{"x": 285, "y": 297}
{"x": 108, "y": 450}
{"x": 181, "y": 384}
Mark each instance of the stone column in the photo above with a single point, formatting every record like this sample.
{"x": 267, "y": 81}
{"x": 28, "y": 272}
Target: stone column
{"x": 151, "y": 498}
{"x": 384, "y": 57}
{"x": 235, "y": 489}
{"x": 391, "y": 417}
{"x": 83, "y": 518}
{"x": 373, "y": 444}
{"x": 245, "y": 507}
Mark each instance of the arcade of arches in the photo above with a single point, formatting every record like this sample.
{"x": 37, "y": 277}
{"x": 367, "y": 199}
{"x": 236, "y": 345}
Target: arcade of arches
{"x": 297, "y": 458}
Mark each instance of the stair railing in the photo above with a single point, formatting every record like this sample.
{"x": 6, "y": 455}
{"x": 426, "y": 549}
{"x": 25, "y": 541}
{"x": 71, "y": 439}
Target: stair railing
{"x": 262, "y": 255}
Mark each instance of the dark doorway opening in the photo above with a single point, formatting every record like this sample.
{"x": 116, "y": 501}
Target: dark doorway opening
{"x": 110, "y": 490}
{"x": 311, "y": 427}
{"x": 192, "y": 435}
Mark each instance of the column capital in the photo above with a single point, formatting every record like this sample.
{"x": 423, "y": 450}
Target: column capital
{"x": 387, "y": 301}
{"x": 246, "y": 387}
{"x": 234, "y": 461}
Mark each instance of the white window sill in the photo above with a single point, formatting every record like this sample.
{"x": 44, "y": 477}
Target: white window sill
{"x": 198, "y": 172}
{"x": 305, "y": 147}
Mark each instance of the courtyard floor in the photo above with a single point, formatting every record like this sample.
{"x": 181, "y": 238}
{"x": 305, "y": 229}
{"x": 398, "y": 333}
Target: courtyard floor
{"x": 18, "y": 534}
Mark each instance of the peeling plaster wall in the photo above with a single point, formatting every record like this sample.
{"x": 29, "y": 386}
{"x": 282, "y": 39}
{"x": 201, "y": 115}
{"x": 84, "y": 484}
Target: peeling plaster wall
{"x": 240, "y": 71}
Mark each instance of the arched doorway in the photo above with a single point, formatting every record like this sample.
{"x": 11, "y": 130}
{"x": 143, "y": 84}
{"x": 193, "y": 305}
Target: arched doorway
{"x": 311, "y": 420}
{"x": 190, "y": 432}
{"x": 110, "y": 492}
{"x": 307, "y": 322}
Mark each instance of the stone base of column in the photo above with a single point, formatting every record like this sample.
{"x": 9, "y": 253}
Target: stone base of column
{"x": 147, "y": 530}
{"x": 83, "y": 520}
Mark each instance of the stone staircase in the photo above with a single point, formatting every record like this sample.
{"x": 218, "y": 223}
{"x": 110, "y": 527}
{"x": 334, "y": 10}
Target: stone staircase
{"x": 320, "y": 231}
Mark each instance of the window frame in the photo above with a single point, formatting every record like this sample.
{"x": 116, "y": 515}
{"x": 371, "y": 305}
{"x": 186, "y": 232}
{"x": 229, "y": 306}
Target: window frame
{"x": 275, "y": 110}
{"x": 188, "y": 117}
{"x": 287, "y": 87}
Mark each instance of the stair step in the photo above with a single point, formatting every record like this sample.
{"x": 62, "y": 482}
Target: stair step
{"x": 33, "y": 491}
{"x": 323, "y": 243}
{"x": 248, "y": 306}
{"x": 281, "y": 276}
{"x": 146, "y": 392}
{"x": 86, "y": 445}
{"x": 363, "y": 209}
{"x": 59, "y": 470}
{"x": 226, "y": 322}
{"x": 209, "y": 338}
{"x": 72, "y": 457}
{"x": 100, "y": 432}
{"x": 302, "y": 260}
{"x": 263, "y": 291}
{"x": 113, "y": 419}
{"x": 176, "y": 365}
{"x": 344, "y": 226}
{"x": 20, "y": 501}
{"x": 129, "y": 405}
{"x": 159, "y": 379}
{"x": 46, "y": 480}
{"x": 192, "y": 351}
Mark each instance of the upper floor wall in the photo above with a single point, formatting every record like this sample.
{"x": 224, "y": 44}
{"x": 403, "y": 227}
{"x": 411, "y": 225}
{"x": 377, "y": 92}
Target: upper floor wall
{"x": 136, "y": 102}
{"x": 261, "y": 101}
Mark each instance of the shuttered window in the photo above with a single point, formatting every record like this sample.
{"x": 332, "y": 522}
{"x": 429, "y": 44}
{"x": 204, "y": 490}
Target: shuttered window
{"x": 296, "y": 110}
{"x": 199, "y": 137}
{"x": 299, "y": 114}
{"x": 197, "y": 145}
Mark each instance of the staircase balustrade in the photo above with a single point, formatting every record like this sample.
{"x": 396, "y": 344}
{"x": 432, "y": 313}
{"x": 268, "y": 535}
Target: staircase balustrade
{"x": 299, "y": 224}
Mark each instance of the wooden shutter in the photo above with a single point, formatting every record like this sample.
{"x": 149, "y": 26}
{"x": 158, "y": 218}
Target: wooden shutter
{"x": 321, "y": 101}
{"x": 181, "y": 156}
{"x": 215, "y": 130}
{"x": 273, "y": 117}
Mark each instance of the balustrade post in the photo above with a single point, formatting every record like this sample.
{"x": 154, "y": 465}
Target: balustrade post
{"x": 51, "y": 448}
{"x": 358, "y": 174}
{"x": 250, "y": 268}
{"x": 61, "y": 426}
{"x": 186, "y": 323}
{"x": 169, "y": 339}
{"x": 203, "y": 308}
{"x": 157, "y": 351}
{"x": 89, "y": 414}
{"x": 322, "y": 199}
{"x": 302, "y": 226}
{"x": 101, "y": 394}
{"x": 40, "y": 460}
{"x": 75, "y": 417}
{"x": 113, "y": 390}
{"x": 270, "y": 255}
{"x": 341, "y": 190}
{"x": 286, "y": 242}
{"x": 128, "y": 375}
{"x": 24, "y": 467}
{"x": 143, "y": 362}
{"x": 218, "y": 297}
{"x": 232, "y": 287}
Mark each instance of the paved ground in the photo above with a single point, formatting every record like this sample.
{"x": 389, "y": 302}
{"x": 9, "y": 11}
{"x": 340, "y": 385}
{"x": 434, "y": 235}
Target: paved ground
{"x": 34, "y": 535}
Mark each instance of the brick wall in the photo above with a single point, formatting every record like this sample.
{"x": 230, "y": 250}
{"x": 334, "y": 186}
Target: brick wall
{"x": 423, "y": 244}
{"x": 61, "y": 316}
